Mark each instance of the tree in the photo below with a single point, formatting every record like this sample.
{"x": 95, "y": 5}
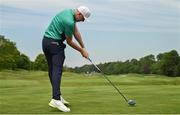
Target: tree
{"x": 8, "y": 54}
{"x": 178, "y": 69}
{"x": 24, "y": 62}
{"x": 146, "y": 63}
{"x": 169, "y": 63}
{"x": 40, "y": 63}
{"x": 134, "y": 66}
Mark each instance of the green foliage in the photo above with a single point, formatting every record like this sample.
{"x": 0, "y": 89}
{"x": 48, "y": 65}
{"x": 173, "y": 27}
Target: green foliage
{"x": 67, "y": 69}
{"x": 24, "y": 62}
{"x": 178, "y": 69}
{"x": 146, "y": 64}
{"x": 8, "y": 54}
{"x": 167, "y": 63}
{"x": 10, "y": 57}
{"x": 40, "y": 63}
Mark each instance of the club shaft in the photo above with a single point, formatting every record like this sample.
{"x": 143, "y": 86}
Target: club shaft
{"x": 108, "y": 80}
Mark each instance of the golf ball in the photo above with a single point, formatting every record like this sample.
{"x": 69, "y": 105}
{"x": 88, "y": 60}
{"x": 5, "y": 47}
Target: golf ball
{"x": 131, "y": 102}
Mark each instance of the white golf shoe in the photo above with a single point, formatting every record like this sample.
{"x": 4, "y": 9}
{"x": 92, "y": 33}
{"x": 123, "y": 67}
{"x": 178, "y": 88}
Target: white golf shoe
{"x": 59, "y": 105}
{"x": 64, "y": 101}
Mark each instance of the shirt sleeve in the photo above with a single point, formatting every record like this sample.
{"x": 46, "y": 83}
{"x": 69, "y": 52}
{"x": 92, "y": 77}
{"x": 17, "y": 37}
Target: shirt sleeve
{"x": 69, "y": 29}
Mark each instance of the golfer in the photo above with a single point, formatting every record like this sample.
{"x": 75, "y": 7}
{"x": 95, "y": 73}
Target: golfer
{"x": 62, "y": 27}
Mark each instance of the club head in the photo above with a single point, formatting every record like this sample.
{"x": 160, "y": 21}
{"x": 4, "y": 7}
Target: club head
{"x": 131, "y": 102}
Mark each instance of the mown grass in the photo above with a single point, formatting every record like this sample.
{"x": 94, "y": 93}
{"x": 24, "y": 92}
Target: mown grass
{"x": 29, "y": 92}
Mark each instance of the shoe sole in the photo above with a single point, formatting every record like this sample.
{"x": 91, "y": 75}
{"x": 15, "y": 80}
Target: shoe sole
{"x": 56, "y": 107}
{"x": 52, "y": 105}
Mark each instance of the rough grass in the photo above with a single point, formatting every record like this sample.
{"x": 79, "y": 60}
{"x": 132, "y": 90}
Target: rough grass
{"x": 29, "y": 92}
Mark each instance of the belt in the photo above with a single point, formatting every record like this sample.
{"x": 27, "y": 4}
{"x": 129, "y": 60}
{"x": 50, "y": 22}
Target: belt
{"x": 54, "y": 41}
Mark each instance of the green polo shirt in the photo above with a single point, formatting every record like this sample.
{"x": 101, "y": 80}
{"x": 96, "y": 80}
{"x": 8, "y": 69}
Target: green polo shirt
{"x": 63, "y": 22}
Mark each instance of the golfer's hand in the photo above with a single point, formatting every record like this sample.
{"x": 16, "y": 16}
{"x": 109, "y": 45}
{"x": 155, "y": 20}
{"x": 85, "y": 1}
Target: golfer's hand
{"x": 84, "y": 53}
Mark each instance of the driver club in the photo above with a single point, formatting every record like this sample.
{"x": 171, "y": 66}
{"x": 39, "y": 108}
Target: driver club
{"x": 130, "y": 101}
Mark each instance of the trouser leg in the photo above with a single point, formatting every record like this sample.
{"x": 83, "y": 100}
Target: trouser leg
{"x": 57, "y": 68}
{"x": 55, "y": 57}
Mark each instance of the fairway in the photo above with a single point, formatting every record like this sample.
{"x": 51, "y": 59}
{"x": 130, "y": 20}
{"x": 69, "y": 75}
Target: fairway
{"x": 29, "y": 92}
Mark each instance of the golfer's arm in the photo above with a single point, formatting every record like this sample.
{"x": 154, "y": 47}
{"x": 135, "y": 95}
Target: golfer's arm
{"x": 73, "y": 44}
{"x": 78, "y": 37}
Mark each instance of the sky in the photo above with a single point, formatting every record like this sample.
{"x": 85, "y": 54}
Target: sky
{"x": 118, "y": 30}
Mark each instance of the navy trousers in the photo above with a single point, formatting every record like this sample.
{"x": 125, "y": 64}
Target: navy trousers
{"x": 54, "y": 53}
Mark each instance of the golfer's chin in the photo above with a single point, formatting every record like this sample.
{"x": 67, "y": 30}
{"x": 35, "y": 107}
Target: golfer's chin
{"x": 79, "y": 20}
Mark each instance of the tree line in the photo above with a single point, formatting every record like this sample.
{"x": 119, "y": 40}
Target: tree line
{"x": 11, "y": 58}
{"x": 167, "y": 63}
